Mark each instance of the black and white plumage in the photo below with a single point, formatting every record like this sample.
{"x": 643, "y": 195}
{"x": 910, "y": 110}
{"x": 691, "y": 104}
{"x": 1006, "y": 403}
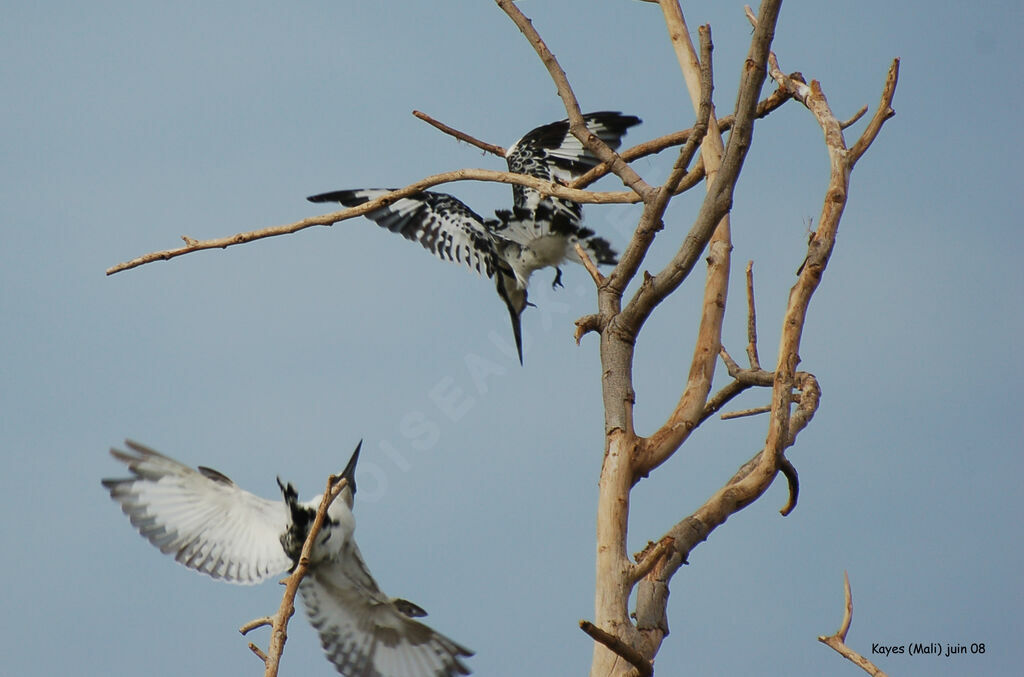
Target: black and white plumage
{"x": 211, "y": 525}
{"x": 538, "y": 231}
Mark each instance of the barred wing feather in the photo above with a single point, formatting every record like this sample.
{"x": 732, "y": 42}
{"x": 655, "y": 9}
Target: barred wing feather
{"x": 366, "y": 634}
{"x": 441, "y": 223}
{"x": 552, "y": 153}
{"x": 201, "y": 517}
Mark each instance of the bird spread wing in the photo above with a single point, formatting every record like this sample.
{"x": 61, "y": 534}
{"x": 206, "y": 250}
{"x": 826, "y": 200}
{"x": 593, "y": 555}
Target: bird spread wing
{"x": 365, "y": 633}
{"x": 441, "y": 223}
{"x": 201, "y": 517}
{"x": 552, "y": 153}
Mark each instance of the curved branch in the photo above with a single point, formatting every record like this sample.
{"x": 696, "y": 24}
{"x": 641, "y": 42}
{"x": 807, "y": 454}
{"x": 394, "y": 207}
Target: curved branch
{"x": 838, "y": 640}
{"x": 587, "y": 324}
{"x": 787, "y": 468}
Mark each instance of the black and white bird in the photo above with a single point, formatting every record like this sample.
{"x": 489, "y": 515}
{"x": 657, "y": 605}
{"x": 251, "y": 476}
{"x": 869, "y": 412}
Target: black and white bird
{"x": 538, "y": 231}
{"x": 210, "y": 525}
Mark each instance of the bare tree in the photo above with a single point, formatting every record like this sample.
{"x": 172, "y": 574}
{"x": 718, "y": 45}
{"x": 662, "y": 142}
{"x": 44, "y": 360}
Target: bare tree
{"x": 627, "y": 641}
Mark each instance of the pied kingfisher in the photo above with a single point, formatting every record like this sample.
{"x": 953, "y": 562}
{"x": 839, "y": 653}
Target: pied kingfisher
{"x": 538, "y": 231}
{"x": 212, "y": 526}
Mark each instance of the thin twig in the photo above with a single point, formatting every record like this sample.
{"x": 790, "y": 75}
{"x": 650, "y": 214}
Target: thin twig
{"x": 256, "y": 623}
{"x": 751, "y": 320}
{"x": 745, "y": 412}
{"x": 589, "y": 265}
{"x": 633, "y": 656}
{"x": 856, "y": 116}
{"x": 279, "y": 633}
{"x": 838, "y": 640}
{"x": 721, "y": 398}
{"x": 730, "y": 364}
{"x": 259, "y": 652}
{"x": 461, "y": 136}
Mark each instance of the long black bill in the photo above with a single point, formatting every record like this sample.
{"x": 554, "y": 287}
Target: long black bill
{"x": 349, "y": 473}
{"x": 515, "y": 301}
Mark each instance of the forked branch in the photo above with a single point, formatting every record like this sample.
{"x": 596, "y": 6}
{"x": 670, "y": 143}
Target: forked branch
{"x": 628, "y": 458}
{"x": 712, "y": 227}
{"x": 764, "y": 107}
{"x": 838, "y": 640}
{"x": 657, "y": 201}
{"x": 754, "y": 477}
{"x": 577, "y": 125}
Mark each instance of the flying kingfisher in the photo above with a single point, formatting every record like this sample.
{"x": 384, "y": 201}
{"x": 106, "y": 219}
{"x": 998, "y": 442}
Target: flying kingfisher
{"x": 538, "y": 231}
{"x": 211, "y": 525}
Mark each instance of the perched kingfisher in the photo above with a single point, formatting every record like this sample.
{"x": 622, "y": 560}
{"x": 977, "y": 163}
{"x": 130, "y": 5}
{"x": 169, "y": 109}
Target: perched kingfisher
{"x": 212, "y": 526}
{"x": 538, "y": 231}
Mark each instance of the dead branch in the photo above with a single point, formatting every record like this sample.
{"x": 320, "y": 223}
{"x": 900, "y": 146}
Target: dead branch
{"x": 741, "y": 413}
{"x": 554, "y": 189}
{"x": 461, "y": 136}
{"x": 743, "y": 378}
{"x": 259, "y": 652}
{"x": 651, "y": 147}
{"x": 571, "y": 192}
{"x": 595, "y": 274}
{"x": 838, "y": 640}
{"x": 256, "y": 623}
{"x": 753, "y": 478}
{"x": 751, "y": 320}
{"x": 642, "y": 665}
{"x": 853, "y": 119}
{"x": 721, "y": 398}
{"x": 577, "y": 125}
{"x": 279, "y": 631}
{"x": 712, "y": 229}
{"x": 587, "y": 324}
{"x": 654, "y": 209}
{"x": 628, "y": 458}
{"x": 788, "y": 470}
{"x": 764, "y": 107}
{"x": 648, "y": 558}
{"x": 884, "y": 112}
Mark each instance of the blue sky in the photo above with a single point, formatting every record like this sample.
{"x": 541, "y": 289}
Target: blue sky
{"x": 128, "y": 125}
